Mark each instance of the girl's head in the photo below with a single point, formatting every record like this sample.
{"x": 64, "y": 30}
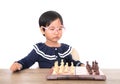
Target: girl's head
{"x": 48, "y": 17}
{"x": 51, "y": 25}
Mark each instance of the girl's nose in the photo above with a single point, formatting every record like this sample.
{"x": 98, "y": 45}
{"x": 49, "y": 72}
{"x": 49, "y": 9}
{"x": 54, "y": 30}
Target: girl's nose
{"x": 56, "y": 31}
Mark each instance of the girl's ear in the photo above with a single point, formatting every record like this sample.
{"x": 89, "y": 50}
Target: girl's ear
{"x": 42, "y": 30}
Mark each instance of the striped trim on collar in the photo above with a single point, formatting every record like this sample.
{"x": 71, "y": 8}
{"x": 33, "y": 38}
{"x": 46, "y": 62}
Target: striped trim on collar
{"x": 49, "y": 57}
{"x": 52, "y": 57}
{"x": 62, "y": 55}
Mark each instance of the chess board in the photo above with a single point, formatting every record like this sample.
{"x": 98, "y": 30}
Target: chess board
{"x": 78, "y": 73}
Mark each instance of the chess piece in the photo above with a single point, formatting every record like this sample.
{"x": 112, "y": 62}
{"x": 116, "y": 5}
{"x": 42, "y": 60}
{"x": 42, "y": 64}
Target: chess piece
{"x": 66, "y": 68}
{"x": 93, "y": 65}
{"x": 61, "y": 66}
{"x": 72, "y": 68}
{"x": 56, "y": 67}
{"x": 56, "y": 64}
{"x": 89, "y": 68}
{"x": 96, "y": 68}
{"x": 54, "y": 71}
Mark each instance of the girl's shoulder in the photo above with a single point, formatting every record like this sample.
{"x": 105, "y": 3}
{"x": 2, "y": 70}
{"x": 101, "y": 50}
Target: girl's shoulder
{"x": 40, "y": 46}
{"x": 65, "y": 46}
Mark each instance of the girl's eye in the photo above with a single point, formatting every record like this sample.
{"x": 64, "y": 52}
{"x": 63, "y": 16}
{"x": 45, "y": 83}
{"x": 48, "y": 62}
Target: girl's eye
{"x": 52, "y": 29}
{"x": 60, "y": 28}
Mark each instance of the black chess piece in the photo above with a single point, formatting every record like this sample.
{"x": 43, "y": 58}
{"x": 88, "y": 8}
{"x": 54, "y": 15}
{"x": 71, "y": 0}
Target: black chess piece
{"x": 93, "y": 65}
{"x": 96, "y": 68}
{"x": 89, "y": 68}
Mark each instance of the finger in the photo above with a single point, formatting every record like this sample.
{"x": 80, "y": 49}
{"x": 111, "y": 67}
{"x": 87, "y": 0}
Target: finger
{"x": 13, "y": 68}
{"x": 19, "y": 66}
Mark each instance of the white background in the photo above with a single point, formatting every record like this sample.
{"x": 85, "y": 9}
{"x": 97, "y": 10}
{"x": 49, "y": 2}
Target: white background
{"x": 92, "y": 27}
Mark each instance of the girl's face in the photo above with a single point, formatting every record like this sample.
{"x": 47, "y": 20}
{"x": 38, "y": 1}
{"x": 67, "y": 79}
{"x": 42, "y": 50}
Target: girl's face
{"x": 54, "y": 31}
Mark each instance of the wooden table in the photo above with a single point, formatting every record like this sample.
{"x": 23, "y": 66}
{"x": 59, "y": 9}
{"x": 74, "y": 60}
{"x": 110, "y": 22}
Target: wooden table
{"x": 38, "y": 76}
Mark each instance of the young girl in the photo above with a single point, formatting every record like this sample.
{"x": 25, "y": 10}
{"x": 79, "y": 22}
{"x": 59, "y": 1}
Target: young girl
{"x": 51, "y": 25}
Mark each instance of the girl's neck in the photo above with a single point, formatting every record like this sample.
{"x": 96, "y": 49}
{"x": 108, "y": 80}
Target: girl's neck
{"x": 52, "y": 44}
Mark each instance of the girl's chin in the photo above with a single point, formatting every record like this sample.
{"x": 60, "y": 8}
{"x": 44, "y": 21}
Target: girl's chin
{"x": 56, "y": 39}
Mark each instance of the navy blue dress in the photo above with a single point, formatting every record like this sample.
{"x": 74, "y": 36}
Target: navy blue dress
{"x": 46, "y": 56}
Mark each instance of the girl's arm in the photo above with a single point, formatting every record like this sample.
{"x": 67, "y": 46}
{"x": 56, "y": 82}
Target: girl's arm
{"x": 25, "y": 62}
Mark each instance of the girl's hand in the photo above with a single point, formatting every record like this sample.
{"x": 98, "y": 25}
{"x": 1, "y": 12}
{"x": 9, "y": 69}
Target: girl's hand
{"x": 15, "y": 66}
{"x": 83, "y": 65}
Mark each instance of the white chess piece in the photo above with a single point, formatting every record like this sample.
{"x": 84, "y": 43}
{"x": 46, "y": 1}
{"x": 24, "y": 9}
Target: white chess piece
{"x": 62, "y": 63}
{"x": 72, "y": 68}
{"x": 55, "y": 68}
{"x": 61, "y": 66}
{"x": 54, "y": 71}
{"x": 66, "y": 68}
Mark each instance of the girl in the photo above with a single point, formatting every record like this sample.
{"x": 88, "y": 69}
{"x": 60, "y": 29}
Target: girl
{"x": 51, "y": 26}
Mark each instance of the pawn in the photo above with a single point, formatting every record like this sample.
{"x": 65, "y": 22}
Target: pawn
{"x": 61, "y": 66}
{"x": 62, "y": 63}
{"x": 61, "y": 70}
{"x": 72, "y": 68}
{"x": 93, "y": 65}
{"x": 66, "y": 68}
{"x": 96, "y": 68}
{"x": 89, "y": 68}
{"x": 54, "y": 71}
{"x": 56, "y": 67}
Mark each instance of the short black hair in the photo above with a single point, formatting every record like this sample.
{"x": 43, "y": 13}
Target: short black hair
{"x": 49, "y": 16}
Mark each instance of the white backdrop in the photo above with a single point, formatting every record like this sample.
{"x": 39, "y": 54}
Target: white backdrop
{"x": 92, "y": 27}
